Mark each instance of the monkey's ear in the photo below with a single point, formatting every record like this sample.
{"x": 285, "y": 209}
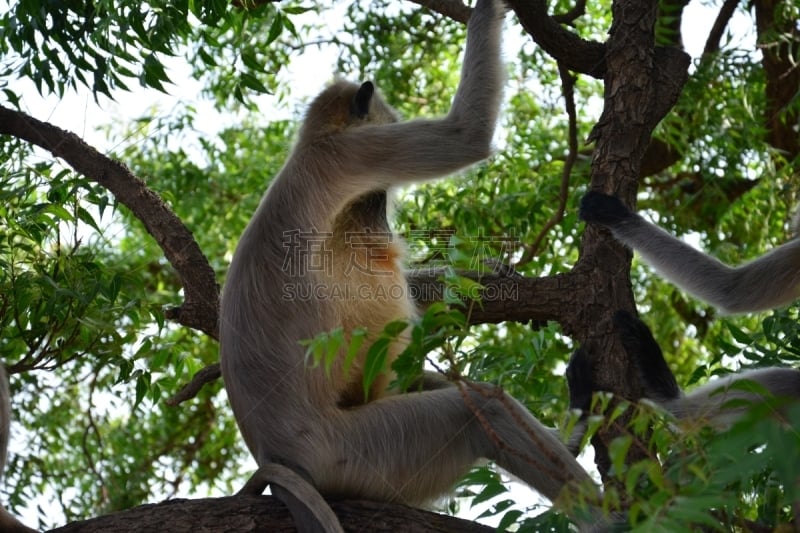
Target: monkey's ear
{"x": 362, "y": 99}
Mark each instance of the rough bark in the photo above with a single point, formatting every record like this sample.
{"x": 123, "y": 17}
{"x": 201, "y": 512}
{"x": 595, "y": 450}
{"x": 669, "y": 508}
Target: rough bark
{"x": 240, "y": 514}
{"x": 780, "y": 45}
{"x": 660, "y": 155}
{"x": 572, "y": 51}
{"x": 641, "y": 86}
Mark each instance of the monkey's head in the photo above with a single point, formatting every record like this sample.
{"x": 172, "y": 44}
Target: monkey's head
{"x": 345, "y": 105}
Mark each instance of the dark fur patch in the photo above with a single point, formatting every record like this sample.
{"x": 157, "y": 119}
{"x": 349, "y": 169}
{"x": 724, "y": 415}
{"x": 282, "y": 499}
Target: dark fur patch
{"x": 362, "y": 99}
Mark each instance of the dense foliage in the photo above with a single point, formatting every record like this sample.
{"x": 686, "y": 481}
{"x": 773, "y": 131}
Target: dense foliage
{"x": 83, "y": 287}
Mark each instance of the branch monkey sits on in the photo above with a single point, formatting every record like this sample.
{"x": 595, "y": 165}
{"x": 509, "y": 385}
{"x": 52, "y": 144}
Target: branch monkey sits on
{"x": 772, "y": 280}
{"x": 328, "y": 204}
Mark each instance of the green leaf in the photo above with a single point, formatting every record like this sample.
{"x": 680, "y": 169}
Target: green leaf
{"x": 357, "y": 338}
{"x": 253, "y": 83}
{"x": 375, "y": 363}
{"x": 276, "y": 28}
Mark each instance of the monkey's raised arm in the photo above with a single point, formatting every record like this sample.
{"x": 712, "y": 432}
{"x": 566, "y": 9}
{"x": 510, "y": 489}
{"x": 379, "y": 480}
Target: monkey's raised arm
{"x": 770, "y": 281}
{"x": 382, "y": 155}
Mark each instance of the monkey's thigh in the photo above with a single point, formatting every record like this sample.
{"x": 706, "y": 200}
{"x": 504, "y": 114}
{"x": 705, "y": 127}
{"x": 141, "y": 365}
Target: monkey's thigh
{"x": 408, "y": 448}
{"x": 413, "y": 447}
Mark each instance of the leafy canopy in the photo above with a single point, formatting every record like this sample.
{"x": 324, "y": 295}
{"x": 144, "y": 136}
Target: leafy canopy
{"x": 83, "y": 287}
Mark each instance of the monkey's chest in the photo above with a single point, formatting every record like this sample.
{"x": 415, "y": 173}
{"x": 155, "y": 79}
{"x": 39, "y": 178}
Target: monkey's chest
{"x": 372, "y": 290}
{"x": 368, "y": 290}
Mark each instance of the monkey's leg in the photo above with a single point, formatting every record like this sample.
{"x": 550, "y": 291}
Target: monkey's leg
{"x": 413, "y": 447}
{"x": 580, "y": 380}
{"x": 310, "y": 512}
{"x": 638, "y": 341}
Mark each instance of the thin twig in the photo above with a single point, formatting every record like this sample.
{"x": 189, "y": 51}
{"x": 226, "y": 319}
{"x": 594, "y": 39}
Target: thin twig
{"x": 568, "y": 88}
{"x": 454, "y": 9}
{"x": 568, "y": 17}
{"x": 723, "y": 18}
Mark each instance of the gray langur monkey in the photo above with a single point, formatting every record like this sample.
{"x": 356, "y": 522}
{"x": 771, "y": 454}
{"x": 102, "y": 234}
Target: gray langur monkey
{"x": 772, "y": 280}
{"x": 8, "y": 524}
{"x": 718, "y": 403}
{"x": 327, "y": 206}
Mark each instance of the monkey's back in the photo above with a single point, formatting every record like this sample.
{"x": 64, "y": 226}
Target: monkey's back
{"x": 301, "y": 269}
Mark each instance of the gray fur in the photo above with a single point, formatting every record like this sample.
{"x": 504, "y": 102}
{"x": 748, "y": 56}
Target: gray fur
{"x": 411, "y": 447}
{"x": 310, "y": 513}
{"x": 772, "y": 280}
{"x": 721, "y": 405}
{"x": 718, "y": 403}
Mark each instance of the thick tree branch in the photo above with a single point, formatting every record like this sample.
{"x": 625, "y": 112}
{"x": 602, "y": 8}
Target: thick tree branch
{"x": 506, "y": 298}
{"x": 201, "y": 291}
{"x": 575, "y": 53}
{"x": 670, "y": 72}
{"x": 660, "y": 155}
{"x": 265, "y": 513}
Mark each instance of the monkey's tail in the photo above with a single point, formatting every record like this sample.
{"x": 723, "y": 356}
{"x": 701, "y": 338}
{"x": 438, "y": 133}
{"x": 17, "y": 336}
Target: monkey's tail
{"x": 310, "y": 512}
{"x": 8, "y": 524}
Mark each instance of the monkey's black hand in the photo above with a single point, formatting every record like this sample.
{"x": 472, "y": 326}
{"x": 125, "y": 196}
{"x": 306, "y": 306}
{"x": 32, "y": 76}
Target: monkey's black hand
{"x": 637, "y": 339}
{"x": 603, "y": 209}
{"x": 579, "y": 380}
